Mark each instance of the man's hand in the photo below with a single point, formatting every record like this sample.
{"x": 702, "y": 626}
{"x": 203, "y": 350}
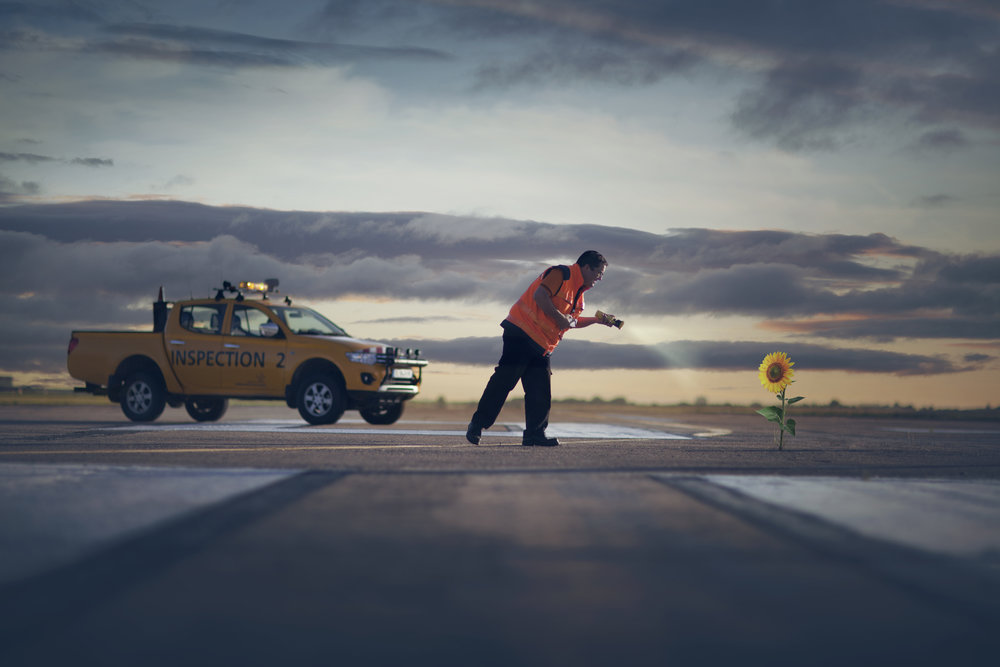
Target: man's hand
{"x": 609, "y": 320}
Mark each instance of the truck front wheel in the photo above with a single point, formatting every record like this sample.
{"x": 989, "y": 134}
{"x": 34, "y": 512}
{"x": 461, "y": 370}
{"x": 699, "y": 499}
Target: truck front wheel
{"x": 143, "y": 397}
{"x": 321, "y": 399}
{"x": 206, "y": 409}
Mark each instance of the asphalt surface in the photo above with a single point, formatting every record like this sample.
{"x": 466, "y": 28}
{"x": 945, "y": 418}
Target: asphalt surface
{"x": 646, "y": 538}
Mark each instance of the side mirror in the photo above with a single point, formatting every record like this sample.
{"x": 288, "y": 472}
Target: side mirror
{"x": 269, "y": 330}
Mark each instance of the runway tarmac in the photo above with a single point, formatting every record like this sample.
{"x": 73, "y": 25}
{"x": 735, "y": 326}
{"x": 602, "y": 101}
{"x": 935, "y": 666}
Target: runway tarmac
{"x": 652, "y": 543}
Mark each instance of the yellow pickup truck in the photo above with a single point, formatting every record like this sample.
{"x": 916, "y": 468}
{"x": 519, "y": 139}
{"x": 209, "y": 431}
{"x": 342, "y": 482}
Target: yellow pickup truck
{"x": 202, "y": 352}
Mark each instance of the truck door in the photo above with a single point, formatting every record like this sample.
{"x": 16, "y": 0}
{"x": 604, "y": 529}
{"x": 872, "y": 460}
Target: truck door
{"x": 194, "y": 347}
{"x": 255, "y": 362}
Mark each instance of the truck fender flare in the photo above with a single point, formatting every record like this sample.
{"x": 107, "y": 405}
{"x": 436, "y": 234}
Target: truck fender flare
{"x": 307, "y": 368}
{"x": 131, "y": 365}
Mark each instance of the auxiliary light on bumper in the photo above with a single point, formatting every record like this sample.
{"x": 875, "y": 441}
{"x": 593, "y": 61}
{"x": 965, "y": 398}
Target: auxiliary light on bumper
{"x": 387, "y": 355}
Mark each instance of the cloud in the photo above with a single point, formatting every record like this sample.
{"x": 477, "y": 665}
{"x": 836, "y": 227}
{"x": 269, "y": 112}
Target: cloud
{"x": 893, "y": 328}
{"x": 698, "y": 355}
{"x": 936, "y": 201}
{"x": 817, "y": 71}
{"x": 11, "y": 190}
{"x": 178, "y": 181}
{"x": 813, "y": 75}
{"x": 92, "y": 162}
{"x": 833, "y": 286}
{"x": 614, "y": 63}
{"x": 941, "y": 141}
{"x": 432, "y": 319}
{"x": 207, "y": 47}
{"x": 32, "y": 158}
{"x": 37, "y": 348}
{"x": 684, "y": 271}
{"x": 55, "y": 12}
{"x": 284, "y": 51}
{"x": 802, "y": 105}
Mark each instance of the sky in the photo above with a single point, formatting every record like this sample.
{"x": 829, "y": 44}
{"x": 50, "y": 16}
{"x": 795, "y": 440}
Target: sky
{"x": 813, "y": 177}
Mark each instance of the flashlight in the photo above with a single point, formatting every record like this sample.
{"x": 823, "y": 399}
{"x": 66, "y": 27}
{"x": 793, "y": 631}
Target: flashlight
{"x": 609, "y": 320}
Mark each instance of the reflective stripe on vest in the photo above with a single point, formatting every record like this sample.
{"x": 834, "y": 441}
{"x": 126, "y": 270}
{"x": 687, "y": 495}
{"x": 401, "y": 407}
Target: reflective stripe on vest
{"x": 542, "y": 329}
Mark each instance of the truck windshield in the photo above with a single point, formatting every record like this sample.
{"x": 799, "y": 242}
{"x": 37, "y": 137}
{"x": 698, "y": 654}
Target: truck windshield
{"x": 308, "y": 322}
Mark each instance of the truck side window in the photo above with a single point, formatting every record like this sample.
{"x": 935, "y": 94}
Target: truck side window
{"x": 237, "y": 328}
{"x": 247, "y": 321}
{"x": 202, "y": 319}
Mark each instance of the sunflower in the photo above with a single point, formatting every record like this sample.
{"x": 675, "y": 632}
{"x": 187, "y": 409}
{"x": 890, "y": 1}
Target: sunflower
{"x": 776, "y": 372}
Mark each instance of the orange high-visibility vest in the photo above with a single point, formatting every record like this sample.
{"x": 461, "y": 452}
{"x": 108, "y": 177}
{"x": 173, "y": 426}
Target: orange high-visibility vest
{"x": 568, "y": 299}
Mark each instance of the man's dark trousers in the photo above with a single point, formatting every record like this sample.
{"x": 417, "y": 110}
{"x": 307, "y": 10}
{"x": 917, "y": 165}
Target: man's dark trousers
{"x": 524, "y": 361}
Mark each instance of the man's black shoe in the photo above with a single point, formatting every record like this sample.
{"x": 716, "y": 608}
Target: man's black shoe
{"x": 473, "y": 433}
{"x": 538, "y": 440}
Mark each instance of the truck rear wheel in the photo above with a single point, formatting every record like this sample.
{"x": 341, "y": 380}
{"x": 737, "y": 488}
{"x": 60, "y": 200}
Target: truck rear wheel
{"x": 321, "y": 399}
{"x": 383, "y": 413}
{"x": 143, "y": 397}
{"x": 206, "y": 409}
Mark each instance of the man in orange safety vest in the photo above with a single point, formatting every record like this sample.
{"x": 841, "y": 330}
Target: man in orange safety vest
{"x": 551, "y": 306}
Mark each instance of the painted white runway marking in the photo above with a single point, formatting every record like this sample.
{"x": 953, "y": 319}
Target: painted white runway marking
{"x": 574, "y": 431}
{"x": 54, "y": 514}
{"x": 958, "y": 517}
{"x": 952, "y": 431}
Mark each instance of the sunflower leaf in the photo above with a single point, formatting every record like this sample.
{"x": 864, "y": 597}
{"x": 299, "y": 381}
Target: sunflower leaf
{"x": 771, "y": 413}
{"x": 795, "y": 400}
{"x": 789, "y": 426}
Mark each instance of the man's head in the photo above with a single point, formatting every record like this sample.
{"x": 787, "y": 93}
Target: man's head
{"x": 592, "y": 265}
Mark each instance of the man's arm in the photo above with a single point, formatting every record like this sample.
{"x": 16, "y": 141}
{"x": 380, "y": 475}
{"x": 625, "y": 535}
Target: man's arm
{"x": 543, "y": 297}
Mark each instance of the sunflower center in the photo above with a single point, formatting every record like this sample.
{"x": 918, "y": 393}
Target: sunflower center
{"x": 775, "y": 372}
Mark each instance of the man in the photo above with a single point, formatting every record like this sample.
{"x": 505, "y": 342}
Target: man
{"x": 536, "y": 323}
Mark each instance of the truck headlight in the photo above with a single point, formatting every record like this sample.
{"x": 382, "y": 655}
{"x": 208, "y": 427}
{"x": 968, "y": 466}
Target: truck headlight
{"x": 366, "y": 357}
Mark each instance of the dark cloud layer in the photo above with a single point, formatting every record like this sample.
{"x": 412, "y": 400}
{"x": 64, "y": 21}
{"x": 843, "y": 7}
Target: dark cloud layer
{"x": 700, "y": 355}
{"x": 110, "y": 33}
{"x": 33, "y": 158}
{"x": 85, "y": 264}
{"x": 11, "y": 190}
{"x": 815, "y": 73}
{"x": 821, "y": 68}
{"x": 233, "y": 49}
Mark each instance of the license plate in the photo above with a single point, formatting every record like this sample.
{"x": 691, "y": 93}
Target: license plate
{"x": 402, "y": 373}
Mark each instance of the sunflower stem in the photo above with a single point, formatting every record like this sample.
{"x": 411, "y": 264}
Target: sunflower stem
{"x": 781, "y": 430}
